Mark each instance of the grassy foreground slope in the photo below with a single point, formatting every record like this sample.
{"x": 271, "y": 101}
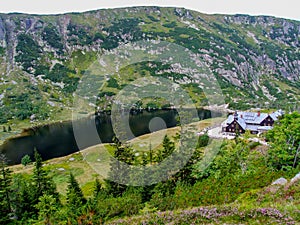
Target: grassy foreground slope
{"x": 235, "y": 187}
{"x": 273, "y": 204}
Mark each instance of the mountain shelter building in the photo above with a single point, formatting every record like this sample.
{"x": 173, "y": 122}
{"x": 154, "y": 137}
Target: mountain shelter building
{"x": 255, "y": 122}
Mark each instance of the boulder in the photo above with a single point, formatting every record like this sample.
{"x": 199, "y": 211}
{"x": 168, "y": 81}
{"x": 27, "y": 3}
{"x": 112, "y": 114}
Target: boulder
{"x": 295, "y": 178}
{"x": 281, "y": 181}
{"x": 32, "y": 117}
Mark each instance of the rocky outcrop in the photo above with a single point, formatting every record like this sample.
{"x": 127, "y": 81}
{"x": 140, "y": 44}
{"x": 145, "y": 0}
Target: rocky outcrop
{"x": 281, "y": 181}
{"x": 2, "y": 32}
{"x": 295, "y": 178}
{"x": 238, "y": 49}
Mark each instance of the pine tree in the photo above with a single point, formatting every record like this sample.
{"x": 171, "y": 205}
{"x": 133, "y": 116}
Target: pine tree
{"x": 43, "y": 184}
{"x": 150, "y": 153}
{"x": 97, "y": 188}
{"x": 185, "y": 174}
{"x": 119, "y": 173}
{"x": 47, "y": 207}
{"x": 168, "y": 146}
{"x": 23, "y": 198}
{"x": 116, "y": 174}
{"x": 5, "y": 190}
{"x": 75, "y": 198}
{"x": 99, "y": 195}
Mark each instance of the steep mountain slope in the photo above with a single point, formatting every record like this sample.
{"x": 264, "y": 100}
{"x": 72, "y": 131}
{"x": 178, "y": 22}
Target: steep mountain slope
{"x": 42, "y": 58}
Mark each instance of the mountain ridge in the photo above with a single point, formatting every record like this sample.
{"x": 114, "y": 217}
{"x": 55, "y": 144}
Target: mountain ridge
{"x": 145, "y": 6}
{"x": 254, "y": 58}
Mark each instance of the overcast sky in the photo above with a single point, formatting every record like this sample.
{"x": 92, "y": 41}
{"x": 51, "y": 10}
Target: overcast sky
{"x": 279, "y": 8}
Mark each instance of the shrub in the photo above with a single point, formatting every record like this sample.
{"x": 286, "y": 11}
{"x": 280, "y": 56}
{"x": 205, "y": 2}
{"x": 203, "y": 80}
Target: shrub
{"x": 28, "y": 52}
{"x": 285, "y": 142}
{"x": 26, "y": 160}
{"x": 51, "y": 36}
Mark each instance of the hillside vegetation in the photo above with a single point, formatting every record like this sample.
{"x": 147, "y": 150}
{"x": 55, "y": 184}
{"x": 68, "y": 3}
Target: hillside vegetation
{"x": 42, "y": 58}
{"x": 241, "y": 61}
{"x": 237, "y": 186}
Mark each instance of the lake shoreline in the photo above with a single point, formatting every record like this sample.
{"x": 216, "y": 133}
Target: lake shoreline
{"x": 25, "y": 131}
{"x": 18, "y": 168}
{"x": 57, "y": 139}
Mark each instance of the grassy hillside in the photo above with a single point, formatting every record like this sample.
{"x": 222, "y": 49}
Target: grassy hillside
{"x": 241, "y": 61}
{"x": 254, "y": 59}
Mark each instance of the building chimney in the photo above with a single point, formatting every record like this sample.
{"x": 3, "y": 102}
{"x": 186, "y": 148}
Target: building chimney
{"x": 242, "y": 116}
{"x": 258, "y": 113}
{"x": 235, "y": 116}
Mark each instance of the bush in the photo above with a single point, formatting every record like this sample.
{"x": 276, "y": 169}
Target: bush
{"x": 203, "y": 141}
{"x": 26, "y": 160}
{"x": 51, "y": 36}
{"x": 28, "y": 52}
{"x": 112, "y": 82}
{"x": 127, "y": 205}
{"x": 2, "y": 51}
{"x": 285, "y": 143}
{"x": 60, "y": 73}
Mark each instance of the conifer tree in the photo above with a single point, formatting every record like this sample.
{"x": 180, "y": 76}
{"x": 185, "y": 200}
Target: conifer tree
{"x": 42, "y": 183}
{"x": 99, "y": 195}
{"x": 168, "y": 146}
{"x": 47, "y": 207}
{"x": 118, "y": 171}
{"x": 23, "y": 198}
{"x": 5, "y": 190}
{"x": 97, "y": 188}
{"x": 75, "y": 198}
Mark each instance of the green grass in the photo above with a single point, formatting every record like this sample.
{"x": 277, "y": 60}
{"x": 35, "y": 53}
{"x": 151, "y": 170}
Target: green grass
{"x": 95, "y": 160}
{"x": 266, "y": 205}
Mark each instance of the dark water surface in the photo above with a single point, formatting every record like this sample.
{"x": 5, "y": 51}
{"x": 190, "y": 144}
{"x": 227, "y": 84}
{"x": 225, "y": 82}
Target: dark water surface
{"x": 57, "y": 139}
